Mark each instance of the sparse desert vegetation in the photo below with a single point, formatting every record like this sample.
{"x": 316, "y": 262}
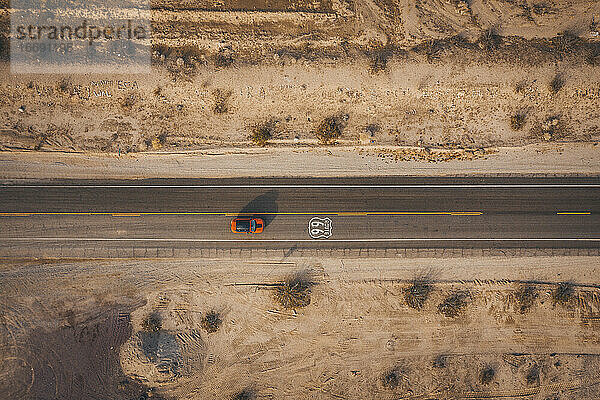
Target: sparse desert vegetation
{"x": 486, "y": 376}
{"x": 163, "y": 340}
{"x": 211, "y": 321}
{"x": 220, "y": 105}
{"x": 525, "y": 295}
{"x": 329, "y": 130}
{"x": 557, "y": 83}
{"x": 454, "y": 304}
{"x": 246, "y": 394}
{"x": 563, "y": 293}
{"x": 152, "y": 322}
{"x": 417, "y": 293}
{"x": 228, "y": 73}
{"x": 294, "y": 291}
{"x": 263, "y": 132}
{"x": 517, "y": 121}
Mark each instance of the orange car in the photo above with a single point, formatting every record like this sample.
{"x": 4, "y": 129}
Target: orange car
{"x": 247, "y": 225}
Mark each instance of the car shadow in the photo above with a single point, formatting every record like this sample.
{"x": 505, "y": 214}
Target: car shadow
{"x": 263, "y": 206}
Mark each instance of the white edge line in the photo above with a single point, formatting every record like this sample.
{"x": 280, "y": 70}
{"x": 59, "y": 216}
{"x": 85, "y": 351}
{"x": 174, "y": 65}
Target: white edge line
{"x": 49, "y": 239}
{"x": 311, "y": 186}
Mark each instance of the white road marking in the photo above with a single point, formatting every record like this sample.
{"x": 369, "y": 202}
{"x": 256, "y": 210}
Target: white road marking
{"x": 49, "y": 239}
{"x": 319, "y": 228}
{"x": 315, "y": 186}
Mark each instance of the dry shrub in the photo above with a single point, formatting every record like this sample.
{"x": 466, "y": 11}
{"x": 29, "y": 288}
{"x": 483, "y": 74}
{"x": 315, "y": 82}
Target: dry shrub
{"x": 129, "y": 101}
{"x": 525, "y": 296}
{"x": 392, "y": 379}
{"x": 462, "y": 6}
{"x": 434, "y": 50}
{"x": 454, "y": 304}
{"x": 563, "y": 293}
{"x": 329, "y": 130}
{"x": 566, "y": 44}
{"x": 517, "y": 121}
{"x": 487, "y": 375}
{"x": 223, "y": 59}
{"x": 4, "y": 48}
{"x": 521, "y": 87}
{"x": 557, "y": 83}
{"x": 211, "y": 322}
{"x": 417, "y": 293}
{"x": 593, "y": 57}
{"x": 155, "y": 143}
{"x": 190, "y": 54}
{"x": 65, "y": 86}
{"x": 490, "y": 39}
{"x": 379, "y": 57}
{"x": 246, "y": 394}
{"x": 543, "y": 9}
{"x": 372, "y": 129}
{"x": 221, "y": 104}
{"x": 163, "y": 51}
{"x": 152, "y": 322}
{"x": 552, "y": 128}
{"x": 440, "y": 361}
{"x": 263, "y": 132}
{"x": 294, "y": 292}
{"x": 533, "y": 375}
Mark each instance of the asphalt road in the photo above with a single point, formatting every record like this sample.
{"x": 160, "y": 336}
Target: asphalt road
{"x": 382, "y": 213}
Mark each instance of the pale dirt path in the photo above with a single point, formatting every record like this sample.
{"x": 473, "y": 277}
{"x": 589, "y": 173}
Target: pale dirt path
{"x": 550, "y": 159}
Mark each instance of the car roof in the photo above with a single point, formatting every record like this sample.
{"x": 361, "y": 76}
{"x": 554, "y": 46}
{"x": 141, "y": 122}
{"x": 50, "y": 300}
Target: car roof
{"x": 242, "y": 225}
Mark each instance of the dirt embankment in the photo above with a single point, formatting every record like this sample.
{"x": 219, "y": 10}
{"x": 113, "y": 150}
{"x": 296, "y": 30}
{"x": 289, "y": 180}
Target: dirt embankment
{"x": 430, "y": 74}
{"x": 353, "y": 329}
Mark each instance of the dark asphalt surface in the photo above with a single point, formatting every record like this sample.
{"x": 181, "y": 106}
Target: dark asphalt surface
{"x": 381, "y": 213}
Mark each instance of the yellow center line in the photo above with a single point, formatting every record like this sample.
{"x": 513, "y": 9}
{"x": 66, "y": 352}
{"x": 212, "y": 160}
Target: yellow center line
{"x": 426, "y": 213}
{"x": 467, "y": 213}
{"x": 573, "y": 213}
{"x": 228, "y": 214}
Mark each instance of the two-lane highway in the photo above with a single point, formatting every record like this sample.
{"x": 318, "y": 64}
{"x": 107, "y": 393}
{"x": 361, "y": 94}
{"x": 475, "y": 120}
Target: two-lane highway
{"x": 450, "y": 212}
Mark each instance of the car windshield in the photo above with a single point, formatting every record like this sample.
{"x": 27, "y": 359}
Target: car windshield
{"x": 253, "y": 226}
{"x": 242, "y": 225}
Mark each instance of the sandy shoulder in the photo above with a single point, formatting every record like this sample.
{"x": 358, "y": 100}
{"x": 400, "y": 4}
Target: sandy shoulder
{"x": 318, "y": 162}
